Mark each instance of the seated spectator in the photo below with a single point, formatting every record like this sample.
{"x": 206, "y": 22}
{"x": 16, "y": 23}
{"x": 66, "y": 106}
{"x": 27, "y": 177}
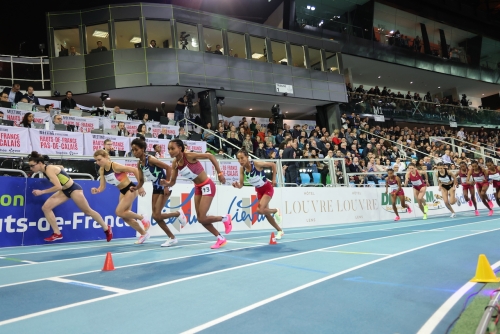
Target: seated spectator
{"x": 248, "y": 144}
{"x": 158, "y": 153}
{"x": 152, "y": 44}
{"x": 182, "y": 134}
{"x": 145, "y": 118}
{"x": 235, "y": 141}
{"x": 108, "y": 147}
{"x": 100, "y": 48}
{"x": 1, "y": 115}
{"x": 122, "y": 131}
{"x": 30, "y": 96}
{"x": 72, "y": 51}
{"x": 208, "y": 134}
{"x": 117, "y": 110}
{"x": 24, "y": 100}
{"x": 68, "y": 102}
{"x": 141, "y": 130}
{"x": 27, "y": 121}
{"x": 270, "y": 148}
{"x": 260, "y": 152}
{"x": 14, "y": 94}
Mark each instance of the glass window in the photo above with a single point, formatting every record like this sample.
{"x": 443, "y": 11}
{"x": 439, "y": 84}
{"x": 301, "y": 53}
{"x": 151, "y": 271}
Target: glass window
{"x": 237, "y": 45}
{"x": 332, "y": 64}
{"x": 128, "y": 34}
{"x": 279, "y": 53}
{"x": 315, "y": 59}
{"x": 297, "y": 56}
{"x": 66, "y": 42}
{"x": 97, "y": 38}
{"x": 258, "y": 46}
{"x": 188, "y": 37}
{"x": 159, "y": 34}
{"x": 212, "y": 42}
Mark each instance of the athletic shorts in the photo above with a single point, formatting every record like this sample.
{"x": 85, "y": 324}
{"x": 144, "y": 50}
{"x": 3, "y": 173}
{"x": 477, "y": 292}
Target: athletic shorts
{"x": 417, "y": 188}
{"x": 467, "y": 187}
{"x": 398, "y": 193}
{"x": 447, "y": 186}
{"x": 127, "y": 188}
{"x": 160, "y": 190}
{"x": 496, "y": 184}
{"x": 479, "y": 186}
{"x": 266, "y": 189}
{"x": 206, "y": 188}
{"x": 74, "y": 187}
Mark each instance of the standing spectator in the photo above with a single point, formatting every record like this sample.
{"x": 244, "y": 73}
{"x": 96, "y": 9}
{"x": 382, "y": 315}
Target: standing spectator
{"x": 290, "y": 167}
{"x": 14, "y": 94}
{"x": 253, "y": 124}
{"x": 270, "y": 138}
{"x": 217, "y": 50}
{"x": 68, "y": 102}
{"x": 271, "y": 126}
{"x": 30, "y": 96}
{"x": 152, "y": 44}
{"x": 145, "y": 118}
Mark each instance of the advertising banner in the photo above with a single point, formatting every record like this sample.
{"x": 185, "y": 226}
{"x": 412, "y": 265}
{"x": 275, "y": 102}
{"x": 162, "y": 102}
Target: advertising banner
{"x": 195, "y": 146}
{"x": 94, "y": 142}
{"x": 163, "y": 144}
{"x": 81, "y": 124}
{"x": 22, "y": 226}
{"x": 231, "y": 170}
{"x": 131, "y": 126}
{"x": 172, "y": 130}
{"x": 14, "y": 140}
{"x": 17, "y": 115}
{"x": 53, "y": 142}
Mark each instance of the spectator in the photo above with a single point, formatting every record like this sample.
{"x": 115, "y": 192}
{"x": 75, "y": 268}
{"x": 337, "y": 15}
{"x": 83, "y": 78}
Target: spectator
{"x": 248, "y": 144}
{"x": 145, "y": 118}
{"x": 233, "y": 139}
{"x": 272, "y": 126}
{"x": 100, "y": 48}
{"x": 141, "y": 130}
{"x": 152, "y": 44}
{"x": 4, "y": 97}
{"x": 122, "y": 131}
{"x": 108, "y": 147}
{"x": 68, "y": 102}
{"x": 164, "y": 135}
{"x": 72, "y": 51}
{"x": 290, "y": 167}
{"x": 253, "y": 124}
{"x": 217, "y": 50}
{"x": 27, "y": 121}
{"x": 158, "y": 153}
{"x": 117, "y": 110}
{"x": 260, "y": 152}
{"x": 180, "y": 109}
{"x": 30, "y": 96}
{"x": 14, "y": 94}
{"x": 182, "y": 134}
{"x": 1, "y": 114}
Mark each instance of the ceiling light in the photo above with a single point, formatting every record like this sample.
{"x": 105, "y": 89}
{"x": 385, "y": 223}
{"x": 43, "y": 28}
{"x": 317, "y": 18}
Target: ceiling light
{"x": 439, "y": 87}
{"x": 483, "y": 94}
{"x": 411, "y": 82}
{"x": 308, "y": 7}
{"x": 100, "y": 34}
{"x": 257, "y": 55}
{"x": 284, "y": 60}
{"x": 392, "y": 31}
{"x": 286, "y": 112}
{"x": 313, "y": 8}
{"x": 135, "y": 40}
{"x": 250, "y": 109}
{"x": 108, "y": 98}
{"x": 379, "y": 76}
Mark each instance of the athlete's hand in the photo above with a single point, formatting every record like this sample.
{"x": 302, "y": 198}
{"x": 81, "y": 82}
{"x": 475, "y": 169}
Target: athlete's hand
{"x": 37, "y": 192}
{"x": 164, "y": 183}
{"x": 222, "y": 179}
{"x": 142, "y": 192}
{"x": 94, "y": 191}
{"x": 133, "y": 188}
{"x": 236, "y": 184}
{"x": 167, "y": 191}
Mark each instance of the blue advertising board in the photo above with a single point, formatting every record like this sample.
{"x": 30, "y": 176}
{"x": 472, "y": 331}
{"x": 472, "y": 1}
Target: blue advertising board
{"x": 22, "y": 221}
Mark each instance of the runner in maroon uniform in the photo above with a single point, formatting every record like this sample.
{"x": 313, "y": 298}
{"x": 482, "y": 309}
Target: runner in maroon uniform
{"x": 479, "y": 176}
{"x": 394, "y": 182}
{"x": 419, "y": 186}
{"x": 494, "y": 177}
{"x": 463, "y": 174}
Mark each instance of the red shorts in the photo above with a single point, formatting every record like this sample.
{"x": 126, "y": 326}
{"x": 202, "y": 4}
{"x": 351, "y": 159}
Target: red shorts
{"x": 266, "y": 189}
{"x": 206, "y": 188}
{"x": 417, "y": 188}
{"x": 479, "y": 186}
{"x": 467, "y": 187}
{"x": 496, "y": 184}
{"x": 399, "y": 193}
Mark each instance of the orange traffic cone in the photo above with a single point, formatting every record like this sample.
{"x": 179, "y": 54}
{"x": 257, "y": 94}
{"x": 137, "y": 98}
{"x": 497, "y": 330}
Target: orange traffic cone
{"x": 108, "y": 263}
{"x": 273, "y": 239}
{"x": 484, "y": 273}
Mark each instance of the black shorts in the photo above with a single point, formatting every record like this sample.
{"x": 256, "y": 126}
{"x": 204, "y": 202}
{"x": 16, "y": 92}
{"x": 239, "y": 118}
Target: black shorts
{"x": 160, "y": 191}
{"x": 74, "y": 187}
{"x": 127, "y": 188}
{"x": 447, "y": 186}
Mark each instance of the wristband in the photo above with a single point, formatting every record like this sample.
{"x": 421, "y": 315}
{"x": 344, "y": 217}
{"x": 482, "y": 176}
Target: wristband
{"x": 221, "y": 174}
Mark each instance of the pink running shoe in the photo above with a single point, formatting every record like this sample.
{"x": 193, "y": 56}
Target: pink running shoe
{"x": 490, "y": 213}
{"x": 409, "y": 209}
{"x": 146, "y": 224}
{"x": 227, "y": 224}
{"x": 470, "y": 202}
{"x": 477, "y": 212}
{"x": 490, "y": 203}
{"x": 397, "y": 218}
{"x": 220, "y": 243}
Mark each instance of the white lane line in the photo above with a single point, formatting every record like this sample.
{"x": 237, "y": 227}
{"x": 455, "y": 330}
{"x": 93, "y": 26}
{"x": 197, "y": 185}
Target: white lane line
{"x": 248, "y": 242}
{"x": 88, "y": 285}
{"x": 308, "y": 285}
{"x": 248, "y": 308}
{"x": 17, "y": 260}
{"x": 431, "y": 324}
{"x": 360, "y": 253}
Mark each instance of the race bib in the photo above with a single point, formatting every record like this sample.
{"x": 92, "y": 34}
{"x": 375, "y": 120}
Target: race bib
{"x": 206, "y": 190}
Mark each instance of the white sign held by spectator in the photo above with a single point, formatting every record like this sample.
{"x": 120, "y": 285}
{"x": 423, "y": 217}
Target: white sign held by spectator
{"x": 94, "y": 142}
{"x": 379, "y": 118}
{"x": 82, "y": 124}
{"x": 13, "y": 140}
{"x": 282, "y": 88}
{"x": 56, "y": 142}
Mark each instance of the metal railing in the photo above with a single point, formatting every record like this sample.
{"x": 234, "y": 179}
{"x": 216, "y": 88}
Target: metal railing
{"x": 8, "y": 170}
{"x": 33, "y": 61}
{"x": 488, "y": 313}
{"x": 378, "y": 178}
{"x": 458, "y": 145}
{"x": 330, "y": 163}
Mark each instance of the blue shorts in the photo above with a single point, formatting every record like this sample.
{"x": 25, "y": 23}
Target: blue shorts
{"x": 74, "y": 187}
{"x": 160, "y": 190}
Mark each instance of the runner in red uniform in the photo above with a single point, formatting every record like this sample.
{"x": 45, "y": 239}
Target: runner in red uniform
{"x": 494, "y": 177}
{"x": 463, "y": 174}
{"x": 394, "y": 182}
{"x": 479, "y": 176}
{"x": 419, "y": 186}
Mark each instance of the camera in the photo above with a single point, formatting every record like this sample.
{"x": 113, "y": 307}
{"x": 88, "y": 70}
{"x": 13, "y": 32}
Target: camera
{"x": 189, "y": 97}
{"x": 184, "y": 39}
{"x": 464, "y": 102}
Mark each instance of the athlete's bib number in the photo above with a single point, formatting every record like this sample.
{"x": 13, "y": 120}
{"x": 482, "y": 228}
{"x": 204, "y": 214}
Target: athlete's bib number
{"x": 206, "y": 190}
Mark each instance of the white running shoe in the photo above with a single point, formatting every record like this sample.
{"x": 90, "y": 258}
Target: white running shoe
{"x": 278, "y": 217}
{"x": 280, "y": 234}
{"x": 143, "y": 238}
{"x": 182, "y": 218}
{"x": 169, "y": 242}
{"x": 453, "y": 215}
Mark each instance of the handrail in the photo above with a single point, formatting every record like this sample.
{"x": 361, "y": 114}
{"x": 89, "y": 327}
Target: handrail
{"x": 14, "y": 171}
{"x": 216, "y": 149}
{"x": 220, "y": 138}
{"x": 488, "y": 313}
{"x": 80, "y": 174}
{"x": 460, "y": 148}
{"x": 411, "y": 100}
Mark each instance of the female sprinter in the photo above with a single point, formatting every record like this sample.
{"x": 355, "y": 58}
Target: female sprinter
{"x": 154, "y": 171}
{"x": 65, "y": 188}
{"x": 394, "y": 182}
{"x": 467, "y": 188}
{"x": 188, "y": 166}
{"x": 478, "y": 175}
{"x": 419, "y": 186}
{"x": 447, "y": 182}
{"x": 117, "y": 175}
{"x": 254, "y": 171}
{"x": 494, "y": 175}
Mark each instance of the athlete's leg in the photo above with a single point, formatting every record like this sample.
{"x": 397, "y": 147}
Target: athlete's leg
{"x": 483, "y": 196}
{"x": 53, "y": 201}
{"x": 263, "y": 209}
{"x": 202, "y": 204}
{"x": 81, "y": 202}
{"x": 416, "y": 194}
{"x": 472, "y": 191}
{"x": 158, "y": 203}
{"x": 123, "y": 210}
{"x": 394, "y": 207}
{"x": 445, "y": 194}
{"x": 451, "y": 194}
{"x": 497, "y": 194}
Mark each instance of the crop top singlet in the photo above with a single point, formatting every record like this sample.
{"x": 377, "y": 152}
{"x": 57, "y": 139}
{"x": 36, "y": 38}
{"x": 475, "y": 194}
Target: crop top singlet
{"x": 255, "y": 177}
{"x": 113, "y": 178}
{"x": 190, "y": 170}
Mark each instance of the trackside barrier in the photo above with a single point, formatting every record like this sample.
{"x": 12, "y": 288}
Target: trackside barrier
{"x": 22, "y": 221}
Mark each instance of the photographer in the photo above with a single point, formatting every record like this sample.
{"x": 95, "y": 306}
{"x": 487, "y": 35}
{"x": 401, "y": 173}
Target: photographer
{"x": 180, "y": 107}
{"x": 464, "y": 102}
{"x": 183, "y": 40}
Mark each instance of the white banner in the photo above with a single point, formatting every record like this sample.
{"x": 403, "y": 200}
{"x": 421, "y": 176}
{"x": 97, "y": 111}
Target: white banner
{"x": 172, "y": 130}
{"x": 131, "y": 126}
{"x": 195, "y": 146}
{"x": 379, "y": 118}
{"x": 163, "y": 144}
{"x": 82, "y": 124}
{"x": 94, "y": 142}
{"x": 16, "y": 116}
{"x": 231, "y": 170}
{"x": 53, "y": 142}
{"x": 14, "y": 140}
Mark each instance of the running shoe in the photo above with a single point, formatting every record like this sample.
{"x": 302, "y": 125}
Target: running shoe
{"x": 490, "y": 203}
{"x": 54, "y": 237}
{"x": 490, "y": 213}
{"x": 453, "y": 215}
{"x": 426, "y": 208}
{"x": 227, "y": 224}
{"x": 477, "y": 212}
{"x": 396, "y": 218}
{"x": 169, "y": 242}
{"x": 146, "y": 224}
{"x": 220, "y": 243}
{"x": 142, "y": 238}
{"x": 408, "y": 208}
{"x": 470, "y": 202}
{"x": 182, "y": 218}
{"x": 277, "y": 217}
{"x": 279, "y": 235}
{"x": 109, "y": 234}
{"x": 425, "y": 216}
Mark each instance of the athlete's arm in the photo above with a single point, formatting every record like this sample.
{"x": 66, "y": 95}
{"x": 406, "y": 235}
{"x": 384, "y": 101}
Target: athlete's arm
{"x": 140, "y": 180}
{"x": 398, "y": 179}
{"x": 407, "y": 177}
{"x": 425, "y": 177}
{"x": 173, "y": 177}
{"x": 239, "y": 185}
{"x": 386, "y": 184}
{"x": 102, "y": 183}
{"x": 126, "y": 169}
{"x": 469, "y": 177}
{"x": 212, "y": 159}
{"x": 262, "y": 164}
{"x": 51, "y": 174}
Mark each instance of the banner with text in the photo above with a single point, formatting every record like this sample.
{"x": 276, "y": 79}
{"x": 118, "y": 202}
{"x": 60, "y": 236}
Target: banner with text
{"x": 231, "y": 170}
{"x": 14, "y": 140}
{"x": 195, "y": 146}
{"x": 131, "y": 126}
{"x": 94, "y": 142}
{"x": 53, "y": 142}
{"x": 16, "y": 116}
{"x": 82, "y": 124}
{"x": 172, "y": 130}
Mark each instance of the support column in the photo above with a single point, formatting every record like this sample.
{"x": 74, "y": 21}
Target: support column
{"x": 208, "y": 108}
{"x": 348, "y": 76}
{"x": 328, "y": 116}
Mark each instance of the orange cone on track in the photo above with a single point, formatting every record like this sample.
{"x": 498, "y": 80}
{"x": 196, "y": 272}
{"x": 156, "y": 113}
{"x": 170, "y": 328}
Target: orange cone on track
{"x": 484, "y": 273}
{"x": 273, "y": 239}
{"x": 108, "y": 263}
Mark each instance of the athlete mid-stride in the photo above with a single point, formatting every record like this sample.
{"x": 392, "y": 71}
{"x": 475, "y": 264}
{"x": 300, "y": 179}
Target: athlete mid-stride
{"x": 394, "y": 182}
{"x": 254, "y": 172}
{"x": 467, "y": 186}
{"x": 447, "y": 183}
{"x": 479, "y": 176}
{"x": 419, "y": 186}
{"x": 494, "y": 177}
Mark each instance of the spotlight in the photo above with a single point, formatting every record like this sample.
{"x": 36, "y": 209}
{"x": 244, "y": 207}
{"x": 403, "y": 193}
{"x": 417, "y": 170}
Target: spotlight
{"x": 313, "y": 8}
{"x": 104, "y": 97}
